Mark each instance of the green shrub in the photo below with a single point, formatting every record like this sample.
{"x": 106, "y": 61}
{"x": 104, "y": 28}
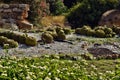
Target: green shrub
{"x": 99, "y": 28}
{"x": 47, "y": 38}
{"x": 83, "y": 31}
{"x": 67, "y": 30}
{"x": 108, "y": 30}
{"x": 30, "y": 41}
{"x": 116, "y": 29}
{"x": 78, "y": 30}
{"x": 57, "y": 7}
{"x": 61, "y": 35}
{"x": 90, "y": 32}
{"x": 100, "y": 33}
{"x": 11, "y": 43}
{"x": 51, "y": 29}
{"x": 58, "y": 29}
{"x": 88, "y": 12}
{"x": 24, "y": 39}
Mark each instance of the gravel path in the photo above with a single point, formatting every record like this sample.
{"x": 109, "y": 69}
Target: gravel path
{"x": 76, "y": 47}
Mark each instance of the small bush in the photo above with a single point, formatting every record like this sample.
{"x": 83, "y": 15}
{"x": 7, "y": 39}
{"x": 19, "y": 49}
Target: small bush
{"x": 24, "y": 39}
{"x": 108, "y": 30}
{"x": 100, "y": 33}
{"x": 67, "y": 30}
{"x": 90, "y": 32}
{"x": 47, "y": 38}
{"x": 30, "y": 41}
{"x": 57, "y": 7}
{"x": 83, "y": 31}
{"x": 11, "y": 43}
{"x": 61, "y": 35}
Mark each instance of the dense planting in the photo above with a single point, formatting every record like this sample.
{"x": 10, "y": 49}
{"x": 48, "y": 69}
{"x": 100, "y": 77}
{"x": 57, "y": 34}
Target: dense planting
{"x": 7, "y": 43}
{"x": 54, "y": 67}
{"x": 57, "y": 33}
{"x": 100, "y": 31}
{"x": 24, "y": 39}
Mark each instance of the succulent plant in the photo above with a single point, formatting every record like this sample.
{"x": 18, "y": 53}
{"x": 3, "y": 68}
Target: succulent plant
{"x": 78, "y": 30}
{"x": 61, "y": 35}
{"x": 100, "y": 33}
{"x": 90, "y": 32}
{"x": 67, "y": 30}
{"x": 108, "y": 30}
{"x": 31, "y": 41}
{"x": 58, "y": 29}
{"x": 47, "y": 38}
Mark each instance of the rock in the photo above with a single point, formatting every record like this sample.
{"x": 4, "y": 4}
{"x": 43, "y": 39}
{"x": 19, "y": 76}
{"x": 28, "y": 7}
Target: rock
{"x": 24, "y": 25}
{"x": 100, "y": 51}
{"x": 110, "y": 18}
{"x": 5, "y": 6}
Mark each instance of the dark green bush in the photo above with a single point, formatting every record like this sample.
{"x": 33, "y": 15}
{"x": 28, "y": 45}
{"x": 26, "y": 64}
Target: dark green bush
{"x": 88, "y": 12}
{"x": 57, "y": 7}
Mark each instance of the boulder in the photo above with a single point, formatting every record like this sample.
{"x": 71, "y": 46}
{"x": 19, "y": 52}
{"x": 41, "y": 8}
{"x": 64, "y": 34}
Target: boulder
{"x": 103, "y": 51}
{"x": 110, "y": 18}
{"x": 24, "y": 25}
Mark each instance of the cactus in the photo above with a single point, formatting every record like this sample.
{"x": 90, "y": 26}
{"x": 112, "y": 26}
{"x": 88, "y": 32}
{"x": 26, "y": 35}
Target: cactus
{"x": 108, "y": 30}
{"x": 61, "y": 35}
{"x": 90, "y": 33}
{"x": 67, "y": 30}
{"x": 100, "y": 33}
{"x": 5, "y": 40}
{"x": 47, "y": 38}
{"x": 58, "y": 29}
{"x": 30, "y": 41}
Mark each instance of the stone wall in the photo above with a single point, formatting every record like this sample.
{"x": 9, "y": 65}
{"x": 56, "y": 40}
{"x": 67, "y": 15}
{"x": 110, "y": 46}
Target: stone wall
{"x": 14, "y": 14}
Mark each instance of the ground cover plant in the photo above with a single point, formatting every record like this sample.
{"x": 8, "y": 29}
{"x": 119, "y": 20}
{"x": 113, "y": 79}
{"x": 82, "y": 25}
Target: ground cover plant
{"x": 55, "y": 67}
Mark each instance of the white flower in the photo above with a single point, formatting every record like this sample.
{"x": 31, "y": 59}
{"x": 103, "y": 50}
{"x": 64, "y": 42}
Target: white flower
{"x": 28, "y": 78}
{"x": 57, "y": 78}
{"x": 47, "y": 78}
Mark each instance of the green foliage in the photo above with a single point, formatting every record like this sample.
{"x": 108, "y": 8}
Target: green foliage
{"x": 57, "y": 7}
{"x": 47, "y": 38}
{"x": 24, "y": 39}
{"x": 85, "y": 30}
{"x": 67, "y": 30}
{"x": 52, "y": 67}
{"x": 100, "y": 33}
{"x": 5, "y": 40}
{"x": 116, "y": 29}
{"x": 61, "y": 35}
{"x": 88, "y": 12}
{"x": 69, "y": 3}
{"x": 30, "y": 41}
